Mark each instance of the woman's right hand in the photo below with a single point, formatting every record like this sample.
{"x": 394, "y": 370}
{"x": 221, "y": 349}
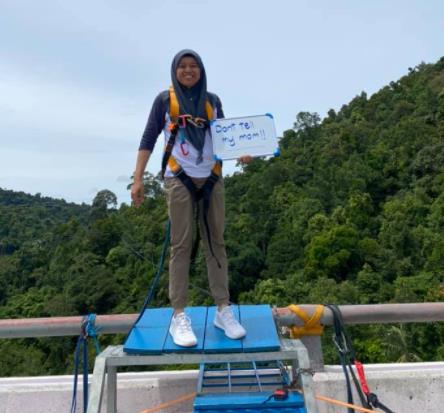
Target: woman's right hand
{"x": 137, "y": 193}
{"x": 245, "y": 159}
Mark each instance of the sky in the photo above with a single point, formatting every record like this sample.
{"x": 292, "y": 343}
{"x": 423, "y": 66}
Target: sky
{"x": 78, "y": 78}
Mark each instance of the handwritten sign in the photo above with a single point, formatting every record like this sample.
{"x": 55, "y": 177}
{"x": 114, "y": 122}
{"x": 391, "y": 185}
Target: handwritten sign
{"x": 252, "y": 135}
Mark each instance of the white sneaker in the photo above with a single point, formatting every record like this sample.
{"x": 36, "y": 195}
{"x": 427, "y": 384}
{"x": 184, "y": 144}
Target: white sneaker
{"x": 226, "y": 321}
{"x": 181, "y": 331}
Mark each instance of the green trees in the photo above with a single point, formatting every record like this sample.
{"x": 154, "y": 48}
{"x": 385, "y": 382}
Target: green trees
{"x": 351, "y": 212}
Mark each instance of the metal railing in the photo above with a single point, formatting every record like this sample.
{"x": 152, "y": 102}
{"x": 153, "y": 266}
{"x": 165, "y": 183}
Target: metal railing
{"x": 309, "y": 359}
{"x": 122, "y": 323}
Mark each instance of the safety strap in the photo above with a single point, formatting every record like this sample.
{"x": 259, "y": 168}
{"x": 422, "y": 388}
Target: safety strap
{"x": 372, "y": 398}
{"x": 347, "y": 357}
{"x": 176, "y": 169}
{"x": 197, "y": 194}
{"x": 174, "y": 107}
{"x": 174, "y": 128}
{"x": 180, "y": 121}
{"x": 312, "y": 325}
{"x": 343, "y": 346}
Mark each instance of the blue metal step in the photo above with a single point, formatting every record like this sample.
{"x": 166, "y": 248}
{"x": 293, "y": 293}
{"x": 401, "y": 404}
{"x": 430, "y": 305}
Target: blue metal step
{"x": 150, "y": 335}
{"x": 256, "y": 377}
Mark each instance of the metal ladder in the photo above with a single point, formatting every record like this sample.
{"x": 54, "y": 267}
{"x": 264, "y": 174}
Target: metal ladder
{"x": 239, "y": 376}
{"x": 107, "y": 362}
{"x": 246, "y": 387}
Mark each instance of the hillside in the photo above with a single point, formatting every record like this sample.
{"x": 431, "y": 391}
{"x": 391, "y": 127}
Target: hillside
{"x": 351, "y": 212}
{"x": 24, "y": 217}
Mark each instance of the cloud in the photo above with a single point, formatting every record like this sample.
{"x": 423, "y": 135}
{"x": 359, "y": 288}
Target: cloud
{"x": 57, "y": 107}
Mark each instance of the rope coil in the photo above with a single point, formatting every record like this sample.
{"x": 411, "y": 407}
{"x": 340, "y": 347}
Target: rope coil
{"x": 87, "y": 329}
{"x": 312, "y": 325}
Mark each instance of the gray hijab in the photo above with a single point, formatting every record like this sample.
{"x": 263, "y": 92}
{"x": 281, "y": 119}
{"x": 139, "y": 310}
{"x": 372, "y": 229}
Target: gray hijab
{"x": 191, "y": 100}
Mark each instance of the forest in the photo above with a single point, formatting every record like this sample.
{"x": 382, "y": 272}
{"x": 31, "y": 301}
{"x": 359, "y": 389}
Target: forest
{"x": 351, "y": 212}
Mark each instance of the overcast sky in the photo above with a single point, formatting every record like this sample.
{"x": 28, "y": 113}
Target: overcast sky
{"x": 77, "y": 78}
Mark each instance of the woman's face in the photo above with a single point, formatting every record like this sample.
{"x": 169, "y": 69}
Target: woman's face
{"x": 188, "y": 71}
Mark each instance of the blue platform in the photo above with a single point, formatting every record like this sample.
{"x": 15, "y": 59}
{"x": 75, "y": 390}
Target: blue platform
{"x": 150, "y": 335}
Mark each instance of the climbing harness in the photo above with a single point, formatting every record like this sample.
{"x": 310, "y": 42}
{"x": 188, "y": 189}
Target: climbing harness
{"x": 87, "y": 329}
{"x": 347, "y": 358}
{"x": 178, "y": 122}
{"x": 312, "y": 325}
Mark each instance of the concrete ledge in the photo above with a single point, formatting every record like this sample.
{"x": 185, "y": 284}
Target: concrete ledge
{"x": 136, "y": 392}
{"x": 405, "y": 388}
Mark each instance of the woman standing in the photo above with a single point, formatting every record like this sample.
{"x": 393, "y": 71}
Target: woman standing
{"x": 192, "y": 180}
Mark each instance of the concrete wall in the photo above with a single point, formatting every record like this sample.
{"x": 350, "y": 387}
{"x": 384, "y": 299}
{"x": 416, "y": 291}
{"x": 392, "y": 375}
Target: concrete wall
{"x": 405, "y": 388}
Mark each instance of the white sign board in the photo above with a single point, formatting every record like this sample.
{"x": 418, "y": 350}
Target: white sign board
{"x": 252, "y": 135}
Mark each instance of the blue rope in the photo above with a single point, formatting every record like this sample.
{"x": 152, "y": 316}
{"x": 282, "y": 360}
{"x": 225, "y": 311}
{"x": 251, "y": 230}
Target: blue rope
{"x": 85, "y": 375}
{"x": 88, "y": 329}
{"x": 156, "y": 279}
{"x": 92, "y": 330}
{"x": 76, "y": 373}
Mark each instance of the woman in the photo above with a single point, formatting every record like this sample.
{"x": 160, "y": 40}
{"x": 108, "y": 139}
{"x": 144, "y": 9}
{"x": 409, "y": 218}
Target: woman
{"x": 183, "y": 113}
